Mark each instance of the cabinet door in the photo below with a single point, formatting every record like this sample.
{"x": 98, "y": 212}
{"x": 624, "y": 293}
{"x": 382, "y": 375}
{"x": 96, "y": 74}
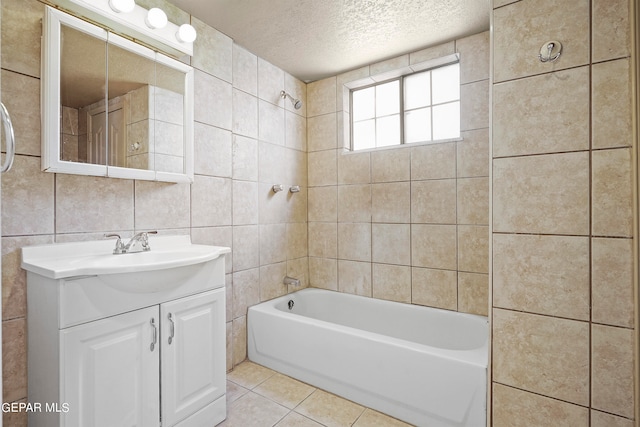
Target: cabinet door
{"x": 193, "y": 354}
{"x": 110, "y": 371}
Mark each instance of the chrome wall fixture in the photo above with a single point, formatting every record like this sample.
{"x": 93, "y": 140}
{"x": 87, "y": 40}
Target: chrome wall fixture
{"x": 294, "y": 189}
{"x": 297, "y": 104}
{"x": 277, "y": 188}
{"x": 151, "y": 27}
{"x": 550, "y": 51}
{"x": 10, "y": 138}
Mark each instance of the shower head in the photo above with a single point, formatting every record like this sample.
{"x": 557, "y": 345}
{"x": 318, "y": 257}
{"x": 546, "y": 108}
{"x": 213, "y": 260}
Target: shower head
{"x": 297, "y": 104}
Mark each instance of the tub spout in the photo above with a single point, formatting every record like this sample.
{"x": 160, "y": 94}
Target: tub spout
{"x": 291, "y": 281}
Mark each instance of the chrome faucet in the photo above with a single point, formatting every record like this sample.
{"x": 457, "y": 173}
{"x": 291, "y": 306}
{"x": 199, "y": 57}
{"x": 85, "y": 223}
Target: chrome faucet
{"x": 138, "y": 243}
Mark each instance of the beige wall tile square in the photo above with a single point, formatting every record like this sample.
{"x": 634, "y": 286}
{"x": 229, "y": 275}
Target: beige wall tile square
{"x": 354, "y": 203}
{"x": 433, "y": 161}
{"x": 272, "y": 206}
{"x": 474, "y": 57}
{"x": 392, "y": 282}
{"x": 612, "y": 281}
{"x": 434, "y": 246}
{"x": 296, "y": 240}
{"x": 323, "y": 204}
{"x": 545, "y": 124}
{"x": 542, "y": 194}
{"x": 322, "y": 132}
{"x": 391, "y": 202}
{"x": 473, "y": 248}
{"x": 271, "y": 158}
{"x": 612, "y": 368}
{"x": 213, "y": 151}
{"x": 612, "y": 213}
{"x": 354, "y": 277}
{"x": 210, "y": 202}
{"x": 212, "y": 51}
{"x": 298, "y": 268}
{"x": 273, "y": 243}
{"x": 433, "y": 52}
{"x": 245, "y": 114}
{"x": 541, "y": 354}
{"x": 212, "y": 100}
{"x": 21, "y": 96}
{"x": 215, "y": 236}
{"x": 245, "y": 202}
{"x": 321, "y": 97}
{"x": 391, "y": 165}
{"x": 323, "y": 168}
{"x": 611, "y": 104}
{"x": 28, "y": 199}
{"x": 245, "y": 70}
{"x": 433, "y": 201}
{"x": 542, "y": 274}
{"x": 271, "y": 125}
{"x": 323, "y": 273}
{"x": 434, "y": 288}
{"x": 521, "y": 28}
{"x": 21, "y": 35}
{"x": 610, "y": 33}
{"x": 270, "y": 82}
{"x": 601, "y": 419}
{"x": 354, "y": 168}
{"x": 500, "y": 3}
{"x": 518, "y": 408}
{"x": 14, "y": 359}
{"x": 271, "y": 281}
{"x": 246, "y": 247}
{"x": 473, "y": 154}
{"x": 295, "y": 131}
{"x": 391, "y": 243}
{"x": 474, "y": 105}
{"x": 245, "y": 158}
{"x": 473, "y": 201}
{"x": 239, "y": 340}
{"x": 473, "y": 293}
{"x": 354, "y": 241}
{"x": 323, "y": 239}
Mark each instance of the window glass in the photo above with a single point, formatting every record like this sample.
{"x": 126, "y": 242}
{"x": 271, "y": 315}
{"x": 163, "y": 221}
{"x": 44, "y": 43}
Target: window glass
{"x": 417, "y": 125}
{"x": 364, "y": 135}
{"x": 446, "y": 84}
{"x": 388, "y": 131}
{"x": 364, "y": 104}
{"x": 417, "y": 90}
{"x": 446, "y": 121}
{"x": 388, "y": 98}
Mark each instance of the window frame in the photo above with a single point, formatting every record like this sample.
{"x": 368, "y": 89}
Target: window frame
{"x": 399, "y": 76}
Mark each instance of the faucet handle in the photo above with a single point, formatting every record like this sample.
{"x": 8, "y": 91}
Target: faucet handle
{"x": 145, "y": 239}
{"x": 119, "y": 245}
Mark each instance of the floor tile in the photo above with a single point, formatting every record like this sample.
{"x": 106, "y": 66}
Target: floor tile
{"x": 284, "y": 390}
{"x": 329, "y": 409}
{"x": 249, "y": 375}
{"x": 234, "y": 392}
{"x": 253, "y": 410}
{"x": 371, "y": 418}
{"x": 296, "y": 420}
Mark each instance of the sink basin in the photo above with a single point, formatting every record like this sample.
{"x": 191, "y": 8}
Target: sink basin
{"x": 64, "y": 260}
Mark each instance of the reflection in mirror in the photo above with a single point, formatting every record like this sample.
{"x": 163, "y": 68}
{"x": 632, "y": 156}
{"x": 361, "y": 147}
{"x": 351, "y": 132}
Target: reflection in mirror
{"x": 169, "y": 119}
{"x": 83, "y": 55}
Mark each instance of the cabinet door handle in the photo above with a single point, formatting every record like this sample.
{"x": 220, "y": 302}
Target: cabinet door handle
{"x": 155, "y": 333}
{"x": 172, "y": 328}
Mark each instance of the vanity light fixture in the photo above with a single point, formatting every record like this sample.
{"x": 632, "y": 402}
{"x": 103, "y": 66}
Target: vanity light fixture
{"x": 122, "y": 6}
{"x": 156, "y": 18}
{"x": 186, "y": 33}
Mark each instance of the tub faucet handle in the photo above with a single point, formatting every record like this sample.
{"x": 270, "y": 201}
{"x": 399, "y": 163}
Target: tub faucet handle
{"x": 291, "y": 281}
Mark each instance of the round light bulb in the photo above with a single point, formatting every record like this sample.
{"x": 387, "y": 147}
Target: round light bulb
{"x": 122, "y": 6}
{"x": 156, "y": 18}
{"x": 186, "y": 33}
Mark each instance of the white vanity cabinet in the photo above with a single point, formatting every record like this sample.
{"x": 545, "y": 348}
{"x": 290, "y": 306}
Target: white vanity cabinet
{"x": 142, "y": 348}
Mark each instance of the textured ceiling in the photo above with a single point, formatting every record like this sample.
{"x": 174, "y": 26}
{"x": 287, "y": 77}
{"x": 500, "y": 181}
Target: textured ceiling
{"x": 313, "y": 39}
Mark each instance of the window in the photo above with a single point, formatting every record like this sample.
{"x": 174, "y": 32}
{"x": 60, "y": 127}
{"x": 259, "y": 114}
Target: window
{"x": 419, "y": 107}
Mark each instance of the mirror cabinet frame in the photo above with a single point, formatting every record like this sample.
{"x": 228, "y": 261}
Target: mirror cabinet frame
{"x": 51, "y": 105}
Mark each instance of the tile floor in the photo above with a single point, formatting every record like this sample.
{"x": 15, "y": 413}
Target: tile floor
{"x": 260, "y": 397}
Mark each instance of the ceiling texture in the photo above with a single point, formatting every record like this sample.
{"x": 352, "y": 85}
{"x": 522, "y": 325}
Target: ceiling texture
{"x": 314, "y": 39}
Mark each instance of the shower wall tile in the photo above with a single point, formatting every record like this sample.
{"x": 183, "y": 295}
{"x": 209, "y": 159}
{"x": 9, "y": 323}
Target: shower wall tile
{"x": 354, "y": 277}
{"x": 323, "y": 168}
{"x": 161, "y": 205}
{"x": 545, "y": 124}
{"x": 272, "y": 207}
{"x": 271, "y": 123}
{"x": 434, "y": 246}
{"x": 212, "y": 151}
{"x": 390, "y": 165}
{"x": 323, "y": 239}
{"x": 434, "y": 288}
{"x": 541, "y": 354}
{"x": 21, "y": 34}
{"x": 473, "y": 248}
{"x": 601, "y": 419}
{"x": 212, "y": 51}
{"x": 245, "y": 70}
{"x": 14, "y": 359}
{"x": 354, "y": 241}
{"x": 542, "y": 274}
{"x": 271, "y": 283}
{"x": 474, "y": 105}
{"x": 391, "y": 243}
{"x": 246, "y": 291}
{"x": 212, "y": 100}
{"x": 391, "y": 282}
{"x": 322, "y": 132}
{"x": 612, "y": 281}
{"x": 354, "y": 168}
{"x": 473, "y": 154}
{"x": 211, "y": 201}
{"x": 270, "y": 82}
{"x": 522, "y": 28}
{"x": 272, "y": 158}
{"x": 546, "y": 194}
{"x": 298, "y": 268}
{"x": 433, "y": 201}
{"x": 245, "y": 158}
{"x": 612, "y": 370}
{"x": 473, "y": 201}
{"x": 245, "y": 202}
{"x": 239, "y": 345}
{"x": 610, "y": 34}
{"x": 323, "y": 273}
{"x": 354, "y": 203}
{"x": 19, "y": 94}
{"x": 295, "y": 131}
{"x": 28, "y": 199}
{"x": 215, "y": 236}
{"x": 246, "y": 247}
{"x": 612, "y": 212}
{"x": 297, "y": 240}
{"x": 321, "y": 97}
{"x": 475, "y": 53}
{"x": 611, "y": 104}
{"x": 519, "y": 408}
{"x": 297, "y": 89}
{"x": 473, "y": 293}
{"x": 433, "y": 161}
{"x": 273, "y": 243}
{"x": 245, "y": 114}
{"x": 391, "y": 202}
{"x": 323, "y": 204}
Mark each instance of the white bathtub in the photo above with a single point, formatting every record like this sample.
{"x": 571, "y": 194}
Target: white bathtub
{"x": 422, "y": 365}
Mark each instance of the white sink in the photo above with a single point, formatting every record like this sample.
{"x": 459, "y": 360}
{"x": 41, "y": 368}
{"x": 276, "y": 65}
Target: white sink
{"x": 96, "y": 258}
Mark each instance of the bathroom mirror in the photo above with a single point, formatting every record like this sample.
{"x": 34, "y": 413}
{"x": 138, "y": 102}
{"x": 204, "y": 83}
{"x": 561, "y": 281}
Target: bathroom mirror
{"x": 112, "y": 107}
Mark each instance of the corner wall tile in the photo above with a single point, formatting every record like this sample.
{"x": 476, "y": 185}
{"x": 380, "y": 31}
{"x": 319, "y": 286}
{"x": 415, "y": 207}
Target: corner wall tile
{"x": 21, "y": 35}
{"x": 270, "y": 82}
{"x": 473, "y": 293}
{"x": 321, "y": 97}
{"x": 474, "y": 57}
{"x": 474, "y": 105}
{"x": 21, "y": 94}
{"x": 473, "y": 248}
{"x": 612, "y": 212}
{"x": 323, "y": 273}
{"x": 611, "y": 91}
{"x": 14, "y": 359}
{"x": 473, "y": 154}
{"x": 610, "y": 36}
{"x": 212, "y": 51}
{"x": 245, "y": 70}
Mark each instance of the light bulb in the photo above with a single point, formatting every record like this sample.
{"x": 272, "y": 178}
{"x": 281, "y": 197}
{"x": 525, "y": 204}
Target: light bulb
{"x": 156, "y": 18}
{"x": 186, "y": 33}
{"x": 122, "y": 6}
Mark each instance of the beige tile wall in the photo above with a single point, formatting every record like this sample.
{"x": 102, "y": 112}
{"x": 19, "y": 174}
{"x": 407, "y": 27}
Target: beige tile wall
{"x": 410, "y": 223}
{"x": 563, "y": 309}
{"x": 246, "y": 140}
